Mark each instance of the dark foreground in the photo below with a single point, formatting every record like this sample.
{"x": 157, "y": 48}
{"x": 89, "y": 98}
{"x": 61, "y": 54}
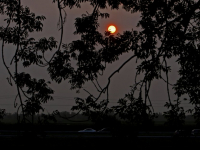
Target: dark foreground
{"x": 74, "y": 140}
{"x": 181, "y": 143}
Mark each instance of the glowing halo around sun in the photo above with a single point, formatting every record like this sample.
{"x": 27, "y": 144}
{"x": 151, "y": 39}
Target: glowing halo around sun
{"x": 112, "y": 29}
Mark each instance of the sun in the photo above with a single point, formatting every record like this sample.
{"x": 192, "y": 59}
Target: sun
{"x": 112, "y": 28}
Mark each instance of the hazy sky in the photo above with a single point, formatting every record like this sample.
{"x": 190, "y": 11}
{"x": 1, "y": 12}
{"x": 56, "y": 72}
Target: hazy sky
{"x": 63, "y": 96}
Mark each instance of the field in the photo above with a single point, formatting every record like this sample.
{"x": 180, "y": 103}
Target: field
{"x": 75, "y": 140}
{"x": 101, "y": 143}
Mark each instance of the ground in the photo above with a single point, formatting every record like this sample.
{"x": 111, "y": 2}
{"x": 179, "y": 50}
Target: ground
{"x": 101, "y": 143}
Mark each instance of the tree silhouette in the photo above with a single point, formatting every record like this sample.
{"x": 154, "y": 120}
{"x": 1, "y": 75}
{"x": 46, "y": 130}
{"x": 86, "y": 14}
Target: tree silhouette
{"x": 167, "y": 29}
{"x": 20, "y": 22}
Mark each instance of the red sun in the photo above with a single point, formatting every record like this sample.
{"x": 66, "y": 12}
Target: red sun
{"x": 112, "y": 29}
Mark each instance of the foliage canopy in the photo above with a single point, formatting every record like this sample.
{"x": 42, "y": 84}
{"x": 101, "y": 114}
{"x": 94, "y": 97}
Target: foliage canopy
{"x": 168, "y": 28}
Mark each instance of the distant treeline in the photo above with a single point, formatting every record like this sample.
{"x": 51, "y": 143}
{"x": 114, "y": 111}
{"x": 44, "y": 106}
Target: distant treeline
{"x": 73, "y": 117}
{"x": 12, "y": 117}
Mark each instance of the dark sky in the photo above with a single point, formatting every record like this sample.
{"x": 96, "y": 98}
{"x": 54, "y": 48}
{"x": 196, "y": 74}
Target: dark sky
{"x": 120, "y": 83}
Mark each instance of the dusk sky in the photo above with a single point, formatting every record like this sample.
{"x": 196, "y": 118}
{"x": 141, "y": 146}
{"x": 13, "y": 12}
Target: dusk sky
{"x": 64, "y": 97}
